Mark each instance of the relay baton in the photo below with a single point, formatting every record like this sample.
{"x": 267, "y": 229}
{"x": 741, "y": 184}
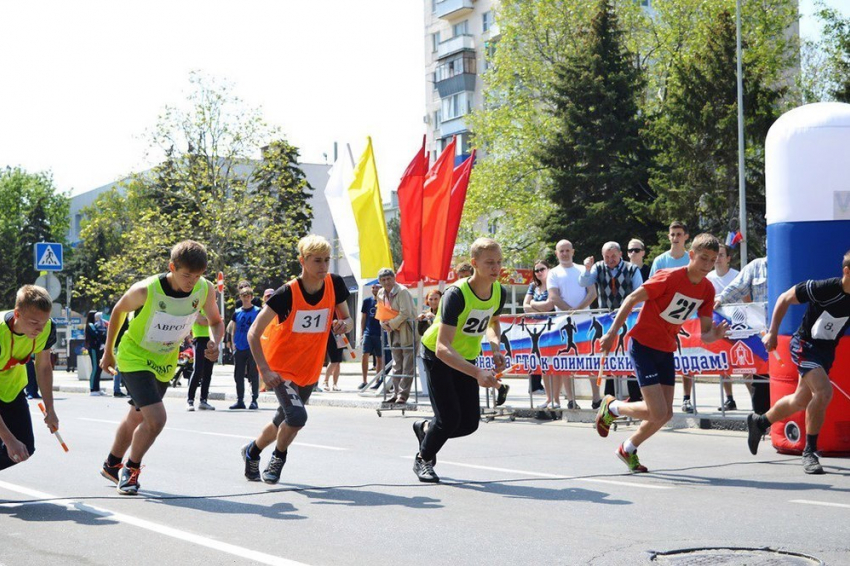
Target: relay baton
{"x": 53, "y": 430}
{"x": 513, "y": 369}
{"x": 778, "y": 357}
{"x": 601, "y": 369}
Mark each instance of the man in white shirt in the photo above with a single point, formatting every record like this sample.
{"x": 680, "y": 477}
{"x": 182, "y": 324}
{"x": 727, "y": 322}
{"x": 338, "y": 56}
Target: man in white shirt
{"x": 720, "y": 278}
{"x": 567, "y": 295}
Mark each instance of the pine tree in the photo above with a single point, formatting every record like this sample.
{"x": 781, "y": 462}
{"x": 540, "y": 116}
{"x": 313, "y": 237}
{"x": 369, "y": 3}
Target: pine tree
{"x": 596, "y": 157}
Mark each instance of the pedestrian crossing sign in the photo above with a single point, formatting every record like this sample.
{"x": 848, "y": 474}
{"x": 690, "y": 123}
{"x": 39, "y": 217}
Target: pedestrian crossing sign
{"x": 48, "y": 256}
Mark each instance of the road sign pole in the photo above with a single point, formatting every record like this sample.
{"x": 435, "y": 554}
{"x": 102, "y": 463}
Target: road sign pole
{"x": 220, "y": 286}
{"x": 68, "y": 315}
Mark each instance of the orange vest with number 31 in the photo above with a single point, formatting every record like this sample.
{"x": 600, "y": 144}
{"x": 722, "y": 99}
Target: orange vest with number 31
{"x": 295, "y": 348}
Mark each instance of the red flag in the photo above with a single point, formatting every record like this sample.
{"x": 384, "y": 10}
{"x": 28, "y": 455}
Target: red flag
{"x": 436, "y": 195}
{"x": 460, "y": 182}
{"x": 410, "y": 216}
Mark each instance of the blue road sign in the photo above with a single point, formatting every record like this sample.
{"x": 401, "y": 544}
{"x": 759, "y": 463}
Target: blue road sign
{"x": 48, "y": 256}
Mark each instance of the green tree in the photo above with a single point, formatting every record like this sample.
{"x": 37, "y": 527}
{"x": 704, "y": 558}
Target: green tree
{"x": 394, "y": 234}
{"x": 696, "y": 140}
{"x": 826, "y": 63}
{"x": 248, "y": 212}
{"x": 33, "y": 211}
{"x": 595, "y": 155}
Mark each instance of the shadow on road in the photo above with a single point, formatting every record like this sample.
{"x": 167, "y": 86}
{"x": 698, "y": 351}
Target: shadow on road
{"x": 214, "y": 504}
{"x": 364, "y": 498}
{"x": 45, "y": 512}
{"x": 516, "y": 491}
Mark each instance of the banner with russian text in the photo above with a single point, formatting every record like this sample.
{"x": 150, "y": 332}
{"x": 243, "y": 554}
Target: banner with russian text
{"x": 568, "y": 343}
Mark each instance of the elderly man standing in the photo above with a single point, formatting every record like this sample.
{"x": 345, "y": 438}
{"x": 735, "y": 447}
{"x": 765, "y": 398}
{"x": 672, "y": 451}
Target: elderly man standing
{"x": 567, "y": 295}
{"x": 752, "y": 282}
{"x": 615, "y": 280}
{"x": 400, "y": 330}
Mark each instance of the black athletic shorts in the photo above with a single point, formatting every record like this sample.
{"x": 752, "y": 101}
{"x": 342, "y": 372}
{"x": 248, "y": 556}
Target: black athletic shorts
{"x": 144, "y": 388}
{"x": 652, "y": 367}
{"x": 334, "y": 355}
{"x": 807, "y": 356}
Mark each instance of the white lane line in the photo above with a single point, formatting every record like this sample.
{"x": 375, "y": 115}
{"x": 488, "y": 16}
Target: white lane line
{"x": 239, "y": 436}
{"x": 821, "y": 503}
{"x": 178, "y": 534}
{"x": 555, "y": 476}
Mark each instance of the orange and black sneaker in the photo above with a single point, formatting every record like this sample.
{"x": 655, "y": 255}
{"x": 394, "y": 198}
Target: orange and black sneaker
{"x": 111, "y": 473}
{"x": 631, "y": 461}
{"x": 129, "y": 482}
{"x": 604, "y": 417}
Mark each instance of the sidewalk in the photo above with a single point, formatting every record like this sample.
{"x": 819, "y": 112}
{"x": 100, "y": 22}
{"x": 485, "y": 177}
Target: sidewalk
{"x": 706, "y": 396}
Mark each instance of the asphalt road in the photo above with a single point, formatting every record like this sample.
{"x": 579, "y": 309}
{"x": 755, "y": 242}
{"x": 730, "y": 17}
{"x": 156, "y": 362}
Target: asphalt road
{"x": 513, "y": 493}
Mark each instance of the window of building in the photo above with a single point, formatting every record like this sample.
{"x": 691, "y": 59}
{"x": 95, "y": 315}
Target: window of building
{"x": 437, "y": 118}
{"x": 435, "y": 41}
{"x": 462, "y": 63}
{"x": 487, "y": 19}
{"x": 456, "y": 105}
{"x": 433, "y": 6}
{"x": 460, "y": 28}
{"x": 489, "y": 55}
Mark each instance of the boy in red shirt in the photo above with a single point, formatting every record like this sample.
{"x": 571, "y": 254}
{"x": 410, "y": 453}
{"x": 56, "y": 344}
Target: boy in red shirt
{"x": 670, "y": 297}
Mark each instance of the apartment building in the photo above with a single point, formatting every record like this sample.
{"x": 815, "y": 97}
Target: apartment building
{"x": 458, "y": 35}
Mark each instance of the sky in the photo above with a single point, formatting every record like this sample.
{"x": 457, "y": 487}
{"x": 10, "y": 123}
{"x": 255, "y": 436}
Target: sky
{"x": 84, "y": 81}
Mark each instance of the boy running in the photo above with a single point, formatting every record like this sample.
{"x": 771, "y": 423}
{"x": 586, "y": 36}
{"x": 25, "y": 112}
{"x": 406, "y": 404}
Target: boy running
{"x": 812, "y": 351}
{"x": 25, "y": 333}
{"x": 288, "y": 340}
{"x": 468, "y": 310}
{"x": 165, "y": 308}
{"x": 669, "y": 297}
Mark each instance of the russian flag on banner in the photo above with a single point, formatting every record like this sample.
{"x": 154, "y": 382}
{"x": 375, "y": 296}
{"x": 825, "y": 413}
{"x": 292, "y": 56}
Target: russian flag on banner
{"x": 734, "y": 238}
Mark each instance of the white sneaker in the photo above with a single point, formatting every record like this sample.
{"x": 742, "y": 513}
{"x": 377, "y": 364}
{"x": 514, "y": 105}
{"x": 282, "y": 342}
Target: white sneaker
{"x": 190, "y": 406}
{"x": 204, "y": 406}
{"x": 97, "y": 393}
{"x": 543, "y": 406}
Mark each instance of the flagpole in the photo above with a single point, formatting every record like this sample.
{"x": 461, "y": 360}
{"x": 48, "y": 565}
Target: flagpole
{"x": 742, "y": 182}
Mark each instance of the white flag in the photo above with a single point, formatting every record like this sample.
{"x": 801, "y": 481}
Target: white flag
{"x": 339, "y": 202}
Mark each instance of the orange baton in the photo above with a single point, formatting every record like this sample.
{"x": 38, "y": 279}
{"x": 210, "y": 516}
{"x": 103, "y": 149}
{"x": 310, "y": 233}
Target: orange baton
{"x": 53, "y": 430}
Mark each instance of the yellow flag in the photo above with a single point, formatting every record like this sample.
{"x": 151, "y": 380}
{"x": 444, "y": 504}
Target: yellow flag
{"x": 368, "y": 210}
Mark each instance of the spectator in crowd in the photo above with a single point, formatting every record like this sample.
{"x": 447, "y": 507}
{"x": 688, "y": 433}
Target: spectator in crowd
{"x": 637, "y": 253}
{"x": 537, "y": 300}
{"x": 720, "y": 278}
{"x": 423, "y": 323}
{"x": 202, "y": 367}
{"x": 463, "y": 270}
{"x": 243, "y": 360}
{"x": 615, "y": 280}
{"x": 371, "y": 335}
{"x": 750, "y": 282}
{"x": 567, "y": 295}
{"x": 333, "y": 360}
{"x": 95, "y": 339}
{"x": 400, "y": 331}
{"x": 677, "y": 256}
{"x": 267, "y": 294}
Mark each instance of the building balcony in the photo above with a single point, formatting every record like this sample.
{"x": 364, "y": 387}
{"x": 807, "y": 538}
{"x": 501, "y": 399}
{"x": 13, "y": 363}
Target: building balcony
{"x": 458, "y": 83}
{"x": 454, "y": 45}
{"x": 494, "y": 32}
{"x": 453, "y": 9}
{"x": 452, "y": 127}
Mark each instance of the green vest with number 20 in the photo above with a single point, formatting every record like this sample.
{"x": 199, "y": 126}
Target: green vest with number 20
{"x": 471, "y": 324}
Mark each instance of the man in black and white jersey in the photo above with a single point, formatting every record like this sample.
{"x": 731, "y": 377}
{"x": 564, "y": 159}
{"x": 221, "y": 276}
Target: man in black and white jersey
{"x": 813, "y": 352}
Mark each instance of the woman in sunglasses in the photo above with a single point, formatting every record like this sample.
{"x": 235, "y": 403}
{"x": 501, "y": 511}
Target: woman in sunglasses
{"x": 537, "y": 300}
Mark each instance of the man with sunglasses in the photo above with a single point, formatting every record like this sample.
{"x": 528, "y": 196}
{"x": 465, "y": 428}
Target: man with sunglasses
{"x": 637, "y": 253}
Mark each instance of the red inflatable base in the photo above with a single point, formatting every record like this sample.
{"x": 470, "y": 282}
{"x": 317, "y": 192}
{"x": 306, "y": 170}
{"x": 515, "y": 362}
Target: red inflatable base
{"x": 789, "y": 436}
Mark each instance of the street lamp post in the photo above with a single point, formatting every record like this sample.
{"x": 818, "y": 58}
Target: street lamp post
{"x": 742, "y": 182}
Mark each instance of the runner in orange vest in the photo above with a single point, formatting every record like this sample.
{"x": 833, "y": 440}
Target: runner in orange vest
{"x": 288, "y": 340}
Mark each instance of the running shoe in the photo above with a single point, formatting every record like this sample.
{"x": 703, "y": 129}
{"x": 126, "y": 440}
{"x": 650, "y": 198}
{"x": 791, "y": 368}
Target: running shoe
{"x": 424, "y": 470}
{"x": 112, "y": 473}
{"x": 273, "y": 470}
{"x": 604, "y": 417}
{"x": 811, "y": 464}
{"x": 728, "y": 405}
{"x": 362, "y": 386}
{"x": 252, "y": 467}
{"x": 204, "y": 406}
{"x": 687, "y": 407}
{"x": 190, "y": 405}
{"x": 502, "y": 395}
{"x": 631, "y": 460}
{"x": 543, "y": 406}
{"x": 129, "y": 482}
{"x": 754, "y": 433}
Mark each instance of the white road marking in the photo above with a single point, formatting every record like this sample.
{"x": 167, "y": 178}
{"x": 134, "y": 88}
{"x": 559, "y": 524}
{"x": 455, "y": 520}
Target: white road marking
{"x": 239, "y": 551}
{"x": 554, "y": 476}
{"x": 240, "y": 436}
{"x": 822, "y": 503}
